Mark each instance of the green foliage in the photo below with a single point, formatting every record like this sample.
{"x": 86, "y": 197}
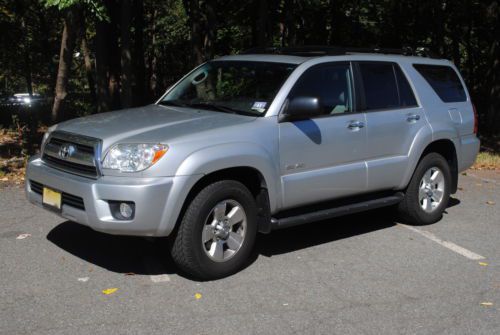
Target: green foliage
{"x": 163, "y": 40}
{"x": 95, "y": 7}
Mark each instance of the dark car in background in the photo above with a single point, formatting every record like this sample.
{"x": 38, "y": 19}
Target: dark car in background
{"x": 24, "y": 106}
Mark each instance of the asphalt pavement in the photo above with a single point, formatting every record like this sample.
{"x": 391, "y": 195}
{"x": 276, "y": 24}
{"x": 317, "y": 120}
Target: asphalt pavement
{"x": 361, "y": 274}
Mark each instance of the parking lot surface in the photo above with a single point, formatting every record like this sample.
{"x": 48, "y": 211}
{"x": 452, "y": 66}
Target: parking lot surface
{"x": 361, "y": 274}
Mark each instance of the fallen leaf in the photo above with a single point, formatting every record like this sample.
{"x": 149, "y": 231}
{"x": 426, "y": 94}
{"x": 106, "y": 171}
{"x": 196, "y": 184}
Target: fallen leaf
{"x": 487, "y": 303}
{"x": 4, "y": 179}
{"x": 483, "y": 263}
{"x": 83, "y": 279}
{"x": 110, "y": 291}
{"x": 197, "y": 296}
{"x": 22, "y": 236}
{"x": 490, "y": 202}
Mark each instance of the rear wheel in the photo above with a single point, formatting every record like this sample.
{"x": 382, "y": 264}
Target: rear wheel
{"x": 428, "y": 192}
{"x": 217, "y": 232}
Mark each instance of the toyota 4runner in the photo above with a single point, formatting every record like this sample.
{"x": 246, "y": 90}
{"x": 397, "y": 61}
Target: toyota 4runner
{"x": 263, "y": 141}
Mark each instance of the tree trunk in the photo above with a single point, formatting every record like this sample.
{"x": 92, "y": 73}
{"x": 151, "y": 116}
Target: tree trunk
{"x": 153, "y": 80}
{"x": 68, "y": 40}
{"x": 126, "y": 57}
{"x": 493, "y": 75}
{"x": 194, "y": 18}
{"x": 202, "y": 21}
{"x": 210, "y": 30}
{"x": 89, "y": 70}
{"x": 114, "y": 54}
{"x": 260, "y": 36}
{"x": 27, "y": 60}
{"x": 138, "y": 57}
{"x": 289, "y": 28}
{"x": 101, "y": 64}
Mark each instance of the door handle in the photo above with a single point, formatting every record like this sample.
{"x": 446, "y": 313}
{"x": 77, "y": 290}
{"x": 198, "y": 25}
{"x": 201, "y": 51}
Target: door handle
{"x": 355, "y": 125}
{"x": 412, "y": 118}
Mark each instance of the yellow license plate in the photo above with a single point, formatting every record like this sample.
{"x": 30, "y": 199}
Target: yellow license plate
{"x": 51, "y": 198}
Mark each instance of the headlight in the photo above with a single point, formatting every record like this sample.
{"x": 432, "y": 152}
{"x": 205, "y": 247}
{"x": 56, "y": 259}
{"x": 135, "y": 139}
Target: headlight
{"x": 133, "y": 157}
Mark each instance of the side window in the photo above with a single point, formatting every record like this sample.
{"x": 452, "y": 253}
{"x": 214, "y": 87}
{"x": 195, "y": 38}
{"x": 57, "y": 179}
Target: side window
{"x": 331, "y": 83}
{"x": 444, "y": 80}
{"x": 406, "y": 96}
{"x": 380, "y": 87}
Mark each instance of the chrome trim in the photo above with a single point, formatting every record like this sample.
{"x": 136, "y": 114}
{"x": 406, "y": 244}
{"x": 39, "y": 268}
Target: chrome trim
{"x": 78, "y": 157}
{"x": 82, "y": 158}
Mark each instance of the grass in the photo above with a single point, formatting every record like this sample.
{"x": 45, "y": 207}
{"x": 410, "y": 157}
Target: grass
{"x": 487, "y": 161}
{"x": 489, "y": 154}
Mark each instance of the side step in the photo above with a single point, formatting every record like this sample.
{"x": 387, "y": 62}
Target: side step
{"x": 319, "y": 215}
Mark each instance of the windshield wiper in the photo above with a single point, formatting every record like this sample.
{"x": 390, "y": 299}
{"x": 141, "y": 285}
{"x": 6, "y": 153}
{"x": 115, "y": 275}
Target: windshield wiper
{"x": 219, "y": 108}
{"x": 171, "y": 103}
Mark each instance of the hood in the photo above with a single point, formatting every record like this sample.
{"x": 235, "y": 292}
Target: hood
{"x": 149, "y": 124}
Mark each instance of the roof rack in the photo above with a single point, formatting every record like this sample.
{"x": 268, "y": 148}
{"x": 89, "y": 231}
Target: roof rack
{"x": 316, "y": 51}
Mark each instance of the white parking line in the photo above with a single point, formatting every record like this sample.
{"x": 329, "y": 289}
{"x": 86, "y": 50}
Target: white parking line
{"x": 159, "y": 278}
{"x": 452, "y": 246}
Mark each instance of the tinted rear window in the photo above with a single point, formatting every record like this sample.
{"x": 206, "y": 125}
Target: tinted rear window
{"x": 385, "y": 86}
{"x": 444, "y": 80}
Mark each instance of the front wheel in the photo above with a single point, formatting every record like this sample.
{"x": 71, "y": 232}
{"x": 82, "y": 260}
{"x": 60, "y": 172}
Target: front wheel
{"x": 217, "y": 232}
{"x": 428, "y": 192}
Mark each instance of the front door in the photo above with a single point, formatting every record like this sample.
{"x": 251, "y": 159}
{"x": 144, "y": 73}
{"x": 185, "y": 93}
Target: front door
{"x": 323, "y": 158}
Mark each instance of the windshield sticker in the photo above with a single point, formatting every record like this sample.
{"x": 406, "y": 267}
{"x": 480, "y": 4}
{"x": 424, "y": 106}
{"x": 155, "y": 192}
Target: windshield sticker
{"x": 259, "y": 106}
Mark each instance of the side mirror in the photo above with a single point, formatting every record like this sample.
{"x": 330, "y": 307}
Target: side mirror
{"x": 301, "y": 108}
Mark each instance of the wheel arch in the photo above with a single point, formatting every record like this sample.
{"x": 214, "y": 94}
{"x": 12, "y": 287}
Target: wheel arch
{"x": 252, "y": 178}
{"x": 446, "y": 148}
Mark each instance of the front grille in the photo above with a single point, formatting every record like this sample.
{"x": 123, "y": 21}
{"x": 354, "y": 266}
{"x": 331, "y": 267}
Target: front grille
{"x": 72, "y": 153}
{"x": 66, "y": 198}
{"x": 70, "y": 166}
{"x": 36, "y": 187}
{"x": 81, "y": 147}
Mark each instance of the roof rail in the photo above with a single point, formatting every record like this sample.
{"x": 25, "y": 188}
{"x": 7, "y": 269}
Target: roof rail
{"x": 316, "y": 51}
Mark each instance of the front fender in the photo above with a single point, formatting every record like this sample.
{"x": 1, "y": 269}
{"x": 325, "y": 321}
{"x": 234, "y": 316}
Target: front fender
{"x": 239, "y": 154}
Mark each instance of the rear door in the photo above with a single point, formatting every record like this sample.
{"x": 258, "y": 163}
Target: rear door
{"x": 393, "y": 119}
{"x": 323, "y": 158}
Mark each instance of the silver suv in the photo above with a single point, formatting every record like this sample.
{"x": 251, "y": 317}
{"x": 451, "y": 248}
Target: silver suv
{"x": 255, "y": 142}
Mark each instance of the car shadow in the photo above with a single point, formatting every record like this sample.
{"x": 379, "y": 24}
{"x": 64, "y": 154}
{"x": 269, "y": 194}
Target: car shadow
{"x": 150, "y": 256}
{"x": 121, "y": 254}
{"x": 321, "y": 232}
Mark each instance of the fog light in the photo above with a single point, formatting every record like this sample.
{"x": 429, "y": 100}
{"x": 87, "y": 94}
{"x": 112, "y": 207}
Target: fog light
{"x": 126, "y": 210}
{"x": 122, "y": 210}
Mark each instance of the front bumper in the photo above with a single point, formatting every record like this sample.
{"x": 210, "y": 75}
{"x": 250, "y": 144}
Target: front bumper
{"x": 153, "y": 217}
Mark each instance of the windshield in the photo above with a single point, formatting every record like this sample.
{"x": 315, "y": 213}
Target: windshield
{"x": 239, "y": 87}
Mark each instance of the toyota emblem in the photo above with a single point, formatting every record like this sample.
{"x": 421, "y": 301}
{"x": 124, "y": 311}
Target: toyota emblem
{"x": 67, "y": 150}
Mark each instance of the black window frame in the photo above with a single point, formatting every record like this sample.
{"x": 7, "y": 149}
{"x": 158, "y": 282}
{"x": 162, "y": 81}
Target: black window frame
{"x": 457, "y": 75}
{"x": 358, "y": 79}
{"x": 355, "y": 96}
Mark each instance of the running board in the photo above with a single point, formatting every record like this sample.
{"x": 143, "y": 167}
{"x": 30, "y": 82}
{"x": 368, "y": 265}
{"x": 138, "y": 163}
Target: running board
{"x": 356, "y": 207}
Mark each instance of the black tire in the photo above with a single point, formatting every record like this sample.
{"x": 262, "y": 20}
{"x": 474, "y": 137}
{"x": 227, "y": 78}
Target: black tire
{"x": 187, "y": 247}
{"x": 409, "y": 209}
